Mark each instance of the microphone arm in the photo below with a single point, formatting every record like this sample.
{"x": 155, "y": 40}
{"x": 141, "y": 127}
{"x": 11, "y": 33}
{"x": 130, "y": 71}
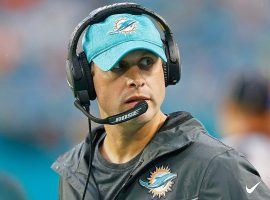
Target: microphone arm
{"x": 136, "y": 111}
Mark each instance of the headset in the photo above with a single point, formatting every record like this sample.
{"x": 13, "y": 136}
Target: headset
{"x": 78, "y": 69}
{"x": 79, "y": 75}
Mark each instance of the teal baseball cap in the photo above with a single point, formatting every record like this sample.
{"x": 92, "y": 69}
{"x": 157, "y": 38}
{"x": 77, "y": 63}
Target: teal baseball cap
{"x": 107, "y": 42}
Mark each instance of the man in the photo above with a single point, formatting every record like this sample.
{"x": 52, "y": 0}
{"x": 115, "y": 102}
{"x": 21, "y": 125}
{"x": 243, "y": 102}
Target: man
{"x": 245, "y": 119}
{"x": 153, "y": 156}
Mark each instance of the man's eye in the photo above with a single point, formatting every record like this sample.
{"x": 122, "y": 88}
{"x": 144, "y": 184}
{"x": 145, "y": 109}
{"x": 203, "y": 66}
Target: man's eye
{"x": 118, "y": 67}
{"x": 146, "y": 62}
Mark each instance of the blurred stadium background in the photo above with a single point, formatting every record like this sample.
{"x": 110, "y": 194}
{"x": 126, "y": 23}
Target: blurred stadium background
{"x": 37, "y": 118}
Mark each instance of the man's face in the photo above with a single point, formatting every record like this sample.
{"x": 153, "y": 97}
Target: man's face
{"x": 138, "y": 76}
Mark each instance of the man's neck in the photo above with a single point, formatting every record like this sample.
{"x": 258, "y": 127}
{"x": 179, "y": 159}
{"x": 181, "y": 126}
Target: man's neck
{"x": 124, "y": 142}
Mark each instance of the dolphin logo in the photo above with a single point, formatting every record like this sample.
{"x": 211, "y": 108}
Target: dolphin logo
{"x": 160, "y": 181}
{"x": 124, "y": 25}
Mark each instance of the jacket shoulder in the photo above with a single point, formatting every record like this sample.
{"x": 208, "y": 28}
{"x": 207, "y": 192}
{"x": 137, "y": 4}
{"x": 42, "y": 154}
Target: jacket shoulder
{"x": 230, "y": 175}
{"x": 224, "y": 172}
{"x": 69, "y": 159}
{"x": 206, "y": 146}
{"x": 182, "y": 128}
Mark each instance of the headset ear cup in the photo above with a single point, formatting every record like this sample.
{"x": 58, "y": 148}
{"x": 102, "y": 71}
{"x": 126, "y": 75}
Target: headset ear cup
{"x": 76, "y": 80}
{"x": 165, "y": 64}
{"x": 165, "y": 71}
{"x": 70, "y": 79}
{"x": 173, "y": 61}
{"x": 179, "y": 60}
{"x": 88, "y": 76}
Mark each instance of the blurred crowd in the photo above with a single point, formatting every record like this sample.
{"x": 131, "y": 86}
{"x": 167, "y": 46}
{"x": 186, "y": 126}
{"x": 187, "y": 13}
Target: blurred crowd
{"x": 37, "y": 119}
{"x": 219, "y": 41}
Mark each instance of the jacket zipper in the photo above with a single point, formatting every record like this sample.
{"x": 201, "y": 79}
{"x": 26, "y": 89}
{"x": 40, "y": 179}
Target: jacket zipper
{"x": 140, "y": 163}
{"x": 128, "y": 179}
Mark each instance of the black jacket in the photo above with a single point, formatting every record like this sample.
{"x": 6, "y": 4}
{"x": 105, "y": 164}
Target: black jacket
{"x": 182, "y": 162}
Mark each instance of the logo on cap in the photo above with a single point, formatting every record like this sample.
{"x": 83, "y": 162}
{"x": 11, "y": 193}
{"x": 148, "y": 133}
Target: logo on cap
{"x": 124, "y": 25}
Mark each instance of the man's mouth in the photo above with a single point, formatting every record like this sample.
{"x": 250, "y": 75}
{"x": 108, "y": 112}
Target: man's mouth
{"x": 135, "y": 99}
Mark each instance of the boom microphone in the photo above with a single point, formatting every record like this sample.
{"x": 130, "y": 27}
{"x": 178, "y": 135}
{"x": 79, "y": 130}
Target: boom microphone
{"x": 136, "y": 111}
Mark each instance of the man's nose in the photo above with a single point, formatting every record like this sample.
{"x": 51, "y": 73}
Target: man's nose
{"x": 135, "y": 77}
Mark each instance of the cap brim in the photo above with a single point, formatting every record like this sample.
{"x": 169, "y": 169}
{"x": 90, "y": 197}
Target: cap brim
{"x": 106, "y": 60}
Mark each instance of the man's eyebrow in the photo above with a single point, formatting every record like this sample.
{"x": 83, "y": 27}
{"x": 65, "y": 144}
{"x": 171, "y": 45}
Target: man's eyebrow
{"x": 141, "y": 54}
{"x": 123, "y": 62}
{"x": 147, "y": 53}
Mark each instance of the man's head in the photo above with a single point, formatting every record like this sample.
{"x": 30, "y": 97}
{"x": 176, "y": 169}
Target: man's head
{"x": 246, "y": 107}
{"x": 126, "y": 54}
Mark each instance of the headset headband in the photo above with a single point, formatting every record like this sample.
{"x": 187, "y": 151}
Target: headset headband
{"x": 102, "y": 13}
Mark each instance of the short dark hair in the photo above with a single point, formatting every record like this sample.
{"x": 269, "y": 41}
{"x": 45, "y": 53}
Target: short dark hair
{"x": 251, "y": 92}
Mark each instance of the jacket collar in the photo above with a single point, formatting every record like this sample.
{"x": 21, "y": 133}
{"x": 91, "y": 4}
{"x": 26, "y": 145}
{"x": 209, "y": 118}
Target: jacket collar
{"x": 177, "y": 133}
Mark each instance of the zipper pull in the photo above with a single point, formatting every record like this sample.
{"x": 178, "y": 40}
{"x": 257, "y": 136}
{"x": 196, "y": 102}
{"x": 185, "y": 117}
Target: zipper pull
{"x": 136, "y": 167}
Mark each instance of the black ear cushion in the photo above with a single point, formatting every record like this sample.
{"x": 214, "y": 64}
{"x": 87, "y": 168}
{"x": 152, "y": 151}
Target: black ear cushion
{"x": 69, "y": 74}
{"x": 166, "y": 65}
{"x": 165, "y": 71}
{"x": 172, "y": 70}
{"x": 88, "y": 76}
